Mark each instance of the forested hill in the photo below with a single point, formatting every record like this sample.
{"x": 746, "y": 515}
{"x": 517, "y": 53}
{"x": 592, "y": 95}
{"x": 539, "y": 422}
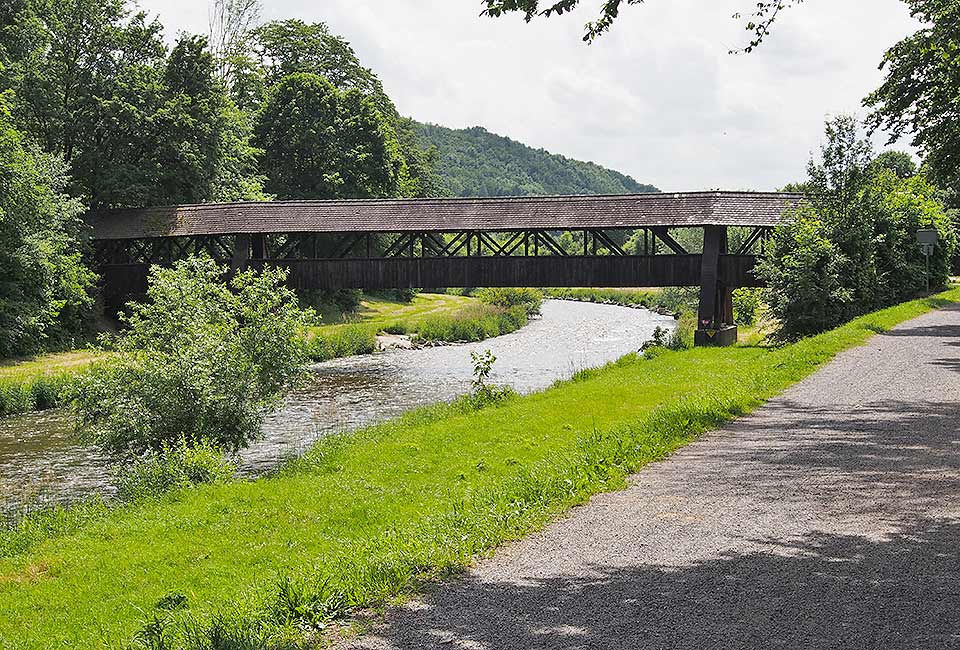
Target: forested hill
{"x": 475, "y": 162}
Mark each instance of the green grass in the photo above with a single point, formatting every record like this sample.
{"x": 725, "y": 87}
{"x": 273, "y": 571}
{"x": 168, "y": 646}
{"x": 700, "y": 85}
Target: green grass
{"x": 429, "y": 317}
{"x": 37, "y": 383}
{"x": 671, "y": 299}
{"x": 381, "y": 313}
{"x": 369, "y": 515}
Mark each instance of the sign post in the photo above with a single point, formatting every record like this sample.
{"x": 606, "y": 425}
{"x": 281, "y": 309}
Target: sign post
{"x": 928, "y": 241}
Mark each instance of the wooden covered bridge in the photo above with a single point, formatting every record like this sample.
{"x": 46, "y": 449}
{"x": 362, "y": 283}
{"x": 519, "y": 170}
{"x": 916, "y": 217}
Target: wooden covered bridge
{"x": 497, "y": 242}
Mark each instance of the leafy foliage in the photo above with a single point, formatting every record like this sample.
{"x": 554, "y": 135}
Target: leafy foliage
{"x": 921, "y": 91}
{"x": 529, "y": 299}
{"x": 282, "y": 48}
{"x": 746, "y": 305}
{"x": 323, "y": 143}
{"x": 202, "y": 361}
{"x": 475, "y": 162}
{"x": 766, "y": 14}
{"x": 94, "y": 84}
{"x": 172, "y": 467}
{"x": 803, "y": 269}
{"x": 852, "y": 248}
{"x": 482, "y": 367}
{"x": 899, "y": 162}
{"x": 44, "y": 288}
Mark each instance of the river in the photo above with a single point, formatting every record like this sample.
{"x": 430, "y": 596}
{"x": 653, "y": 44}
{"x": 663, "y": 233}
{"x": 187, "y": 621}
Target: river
{"x": 40, "y": 462}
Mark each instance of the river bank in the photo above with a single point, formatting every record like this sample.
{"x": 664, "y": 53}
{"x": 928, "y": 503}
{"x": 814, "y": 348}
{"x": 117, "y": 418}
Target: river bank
{"x": 38, "y": 383}
{"x": 41, "y": 462}
{"x": 372, "y": 514}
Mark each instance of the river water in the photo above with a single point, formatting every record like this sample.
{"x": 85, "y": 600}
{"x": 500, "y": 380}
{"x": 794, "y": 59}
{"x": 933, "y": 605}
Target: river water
{"x": 40, "y": 462}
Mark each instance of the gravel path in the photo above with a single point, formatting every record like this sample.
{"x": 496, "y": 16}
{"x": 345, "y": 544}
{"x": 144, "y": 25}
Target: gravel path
{"x": 830, "y": 518}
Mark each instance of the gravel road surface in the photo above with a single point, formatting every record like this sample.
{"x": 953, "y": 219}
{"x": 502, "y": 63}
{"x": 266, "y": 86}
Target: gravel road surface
{"x": 830, "y": 518}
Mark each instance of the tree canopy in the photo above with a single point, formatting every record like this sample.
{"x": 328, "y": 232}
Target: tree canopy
{"x": 851, "y": 247}
{"x": 44, "y": 286}
{"x": 95, "y": 84}
{"x": 323, "y": 143}
{"x": 921, "y": 91}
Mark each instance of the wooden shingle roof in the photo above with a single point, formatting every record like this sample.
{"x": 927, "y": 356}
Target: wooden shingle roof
{"x": 685, "y": 209}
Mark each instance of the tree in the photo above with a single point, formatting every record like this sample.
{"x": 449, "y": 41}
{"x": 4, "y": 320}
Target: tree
{"x": 282, "y": 48}
{"x": 73, "y": 54}
{"x": 899, "y": 162}
{"x": 94, "y": 84}
{"x": 837, "y": 177}
{"x": 900, "y": 207}
{"x": 45, "y": 289}
{"x": 321, "y": 143}
{"x": 766, "y": 14}
{"x": 921, "y": 91}
{"x": 170, "y": 134}
{"x": 202, "y": 361}
{"x": 803, "y": 270}
{"x": 858, "y": 233}
{"x": 231, "y": 22}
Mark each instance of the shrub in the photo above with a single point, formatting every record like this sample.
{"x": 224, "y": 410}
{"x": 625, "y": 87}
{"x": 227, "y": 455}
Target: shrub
{"x": 36, "y": 393}
{"x": 802, "y": 269}
{"x": 852, "y": 248}
{"x": 203, "y": 361}
{"x": 173, "y": 467}
{"x": 746, "y": 304}
{"x": 530, "y": 299}
{"x": 473, "y": 323}
{"x": 343, "y": 342}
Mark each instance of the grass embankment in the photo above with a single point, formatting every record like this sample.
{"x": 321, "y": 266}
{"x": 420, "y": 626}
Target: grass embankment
{"x": 37, "y": 383}
{"x": 670, "y": 299}
{"x": 427, "y": 318}
{"x": 369, "y": 515}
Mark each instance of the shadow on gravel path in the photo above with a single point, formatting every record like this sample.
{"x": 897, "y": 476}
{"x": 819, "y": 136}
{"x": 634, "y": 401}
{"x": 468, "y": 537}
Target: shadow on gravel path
{"x": 832, "y": 591}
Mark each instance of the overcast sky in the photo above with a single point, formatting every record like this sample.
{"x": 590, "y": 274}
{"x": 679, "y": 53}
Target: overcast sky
{"x": 658, "y": 98}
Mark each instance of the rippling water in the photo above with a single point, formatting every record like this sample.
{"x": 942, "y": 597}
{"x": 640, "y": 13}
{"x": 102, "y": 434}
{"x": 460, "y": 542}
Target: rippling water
{"x": 40, "y": 461}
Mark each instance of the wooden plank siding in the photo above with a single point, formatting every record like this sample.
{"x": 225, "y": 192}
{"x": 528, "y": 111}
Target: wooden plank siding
{"x": 123, "y": 281}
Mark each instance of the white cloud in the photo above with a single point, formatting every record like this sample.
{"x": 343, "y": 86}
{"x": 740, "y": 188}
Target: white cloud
{"x": 659, "y": 97}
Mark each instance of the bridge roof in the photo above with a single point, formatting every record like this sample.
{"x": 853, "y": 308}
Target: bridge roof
{"x": 674, "y": 210}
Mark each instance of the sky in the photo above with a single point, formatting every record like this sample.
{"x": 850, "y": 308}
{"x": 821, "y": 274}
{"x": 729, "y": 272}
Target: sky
{"x": 659, "y": 97}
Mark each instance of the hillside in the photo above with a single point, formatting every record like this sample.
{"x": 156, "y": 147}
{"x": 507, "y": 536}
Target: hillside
{"x": 475, "y": 162}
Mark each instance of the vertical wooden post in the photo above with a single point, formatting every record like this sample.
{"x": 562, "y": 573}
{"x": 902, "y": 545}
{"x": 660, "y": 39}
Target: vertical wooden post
{"x": 259, "y": 247}
{"x": 241, "y": 252}
{"x": 709, "y": 276}
{"x": 715, "y": 313}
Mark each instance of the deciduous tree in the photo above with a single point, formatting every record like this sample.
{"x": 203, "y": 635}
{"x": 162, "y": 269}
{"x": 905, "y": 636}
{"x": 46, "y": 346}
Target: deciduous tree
{"x": 921, "y": 91}
{"x": 202, "y": 361}
{"x": 323, "y": 143}
{"x": 44, "y": 287}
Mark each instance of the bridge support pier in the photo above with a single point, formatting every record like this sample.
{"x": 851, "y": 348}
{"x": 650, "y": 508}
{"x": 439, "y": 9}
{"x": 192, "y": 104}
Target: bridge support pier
{"x": 715, "y": 324}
